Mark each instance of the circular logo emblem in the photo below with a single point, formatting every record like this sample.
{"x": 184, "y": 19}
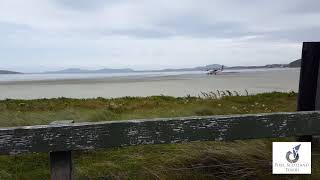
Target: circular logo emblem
{"x": 294, "y": 153}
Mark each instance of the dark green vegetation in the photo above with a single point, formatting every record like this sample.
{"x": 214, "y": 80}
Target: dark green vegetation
{"x": 199, "y": 160}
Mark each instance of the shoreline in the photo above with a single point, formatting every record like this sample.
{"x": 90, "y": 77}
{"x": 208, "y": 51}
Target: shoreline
{"x": 171, "y": 85}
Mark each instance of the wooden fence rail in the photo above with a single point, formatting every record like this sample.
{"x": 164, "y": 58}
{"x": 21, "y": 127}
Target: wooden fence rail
{"x": 86, "y": 136}
{"x": 61, "y": 138}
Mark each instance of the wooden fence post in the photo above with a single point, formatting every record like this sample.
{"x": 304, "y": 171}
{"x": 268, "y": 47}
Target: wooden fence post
{"x": 61, "y": 161}
{"x": 309, "y": 87}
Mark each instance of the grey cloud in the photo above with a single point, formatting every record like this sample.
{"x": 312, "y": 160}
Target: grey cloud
{"x": 218, "y": 30}
{"x": 189, "y": 23}
{"x": 303, "y": 6}
{"x": 9, "y": 28}
{"x": 294, "y": 35}
{"x": 83, "y": 4}
{"x": 195, "y": 26}
{"x": 89, "y": 29}
{"x": 144, "y": 33}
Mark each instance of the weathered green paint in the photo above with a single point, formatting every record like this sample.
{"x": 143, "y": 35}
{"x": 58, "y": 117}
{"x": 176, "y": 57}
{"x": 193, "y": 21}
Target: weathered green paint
{"x": 83, "y": 136}
{"x": 62, "y": 122}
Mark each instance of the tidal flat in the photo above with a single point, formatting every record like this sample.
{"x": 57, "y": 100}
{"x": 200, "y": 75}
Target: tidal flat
{"x": 89, "y": 86}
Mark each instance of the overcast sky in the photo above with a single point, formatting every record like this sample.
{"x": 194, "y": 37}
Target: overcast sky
{"x": 37, "y": 35}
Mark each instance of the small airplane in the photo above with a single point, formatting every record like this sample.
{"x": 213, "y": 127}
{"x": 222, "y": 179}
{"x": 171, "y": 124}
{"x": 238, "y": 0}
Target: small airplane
{"x": 215, "y": 71}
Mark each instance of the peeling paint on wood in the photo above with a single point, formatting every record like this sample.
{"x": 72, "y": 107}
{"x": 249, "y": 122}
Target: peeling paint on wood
{"x": 84, "y": 136}
{"x": 62, "y": 122}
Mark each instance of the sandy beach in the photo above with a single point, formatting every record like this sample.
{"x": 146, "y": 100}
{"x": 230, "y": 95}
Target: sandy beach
{"x": 282, "y": 80}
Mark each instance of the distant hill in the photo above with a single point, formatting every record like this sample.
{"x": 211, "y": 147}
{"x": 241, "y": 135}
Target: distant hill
{"x": 8, "y": 72}
{"x": 199, "y": 68}
{"x": 126, "y": 70}
{"x": 296, "y": 63}
{"x": 257, "y": 67}
{"x": 211, "y": 66}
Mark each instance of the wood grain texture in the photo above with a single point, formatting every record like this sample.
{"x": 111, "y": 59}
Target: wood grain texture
{"x": 84, "y": 136}
{"x": 61, "y": 165}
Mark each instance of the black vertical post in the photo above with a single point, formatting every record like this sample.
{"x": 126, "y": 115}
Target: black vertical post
{"x": 61, "y": 161}
{"x": 309, "y": 87}
{"x": 61, "y": 165}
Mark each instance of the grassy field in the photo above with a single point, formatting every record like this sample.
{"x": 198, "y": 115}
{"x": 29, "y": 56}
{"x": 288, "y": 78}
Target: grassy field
{"x": 249, "y": 159}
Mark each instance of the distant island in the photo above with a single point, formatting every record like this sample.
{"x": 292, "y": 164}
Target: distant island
{"x": 294, "y": 64}
{"x": 8, "y": 72}
{"x": 128, "y": 70}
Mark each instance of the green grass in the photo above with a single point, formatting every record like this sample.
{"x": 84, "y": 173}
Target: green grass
{"x": 44, "y": 111}
{"x": 249, "y": 159}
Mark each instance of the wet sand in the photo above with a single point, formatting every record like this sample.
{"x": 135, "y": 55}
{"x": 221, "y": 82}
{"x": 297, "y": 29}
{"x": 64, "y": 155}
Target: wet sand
{"x": 283, "y": 80}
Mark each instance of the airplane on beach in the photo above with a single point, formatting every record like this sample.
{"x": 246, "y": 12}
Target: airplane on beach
{"x": 215, "y": 71}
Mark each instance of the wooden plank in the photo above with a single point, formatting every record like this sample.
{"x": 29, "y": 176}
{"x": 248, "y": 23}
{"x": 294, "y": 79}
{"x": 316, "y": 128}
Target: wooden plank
{"x": 309, "y": 87}
{"x": 61, "y": 161}
{"x": 83, "y": 136}
{"x": 61, "y": 165}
